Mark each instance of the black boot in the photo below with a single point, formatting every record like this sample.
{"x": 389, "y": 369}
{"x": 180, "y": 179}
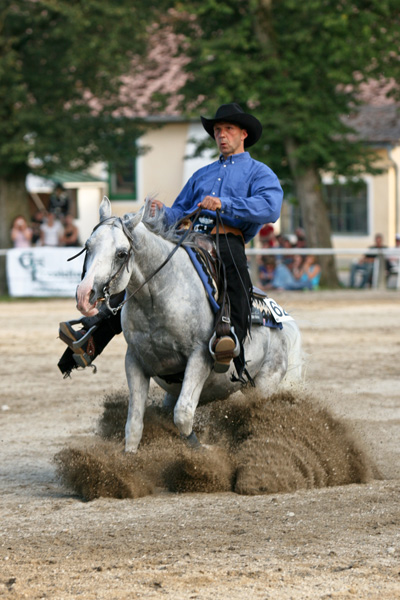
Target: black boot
{"x": 86, "y": 343}
{"x": 80, "y": 341}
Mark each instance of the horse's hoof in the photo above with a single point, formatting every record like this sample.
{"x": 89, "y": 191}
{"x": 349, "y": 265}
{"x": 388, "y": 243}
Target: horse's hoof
{"x": 192, "y": 441}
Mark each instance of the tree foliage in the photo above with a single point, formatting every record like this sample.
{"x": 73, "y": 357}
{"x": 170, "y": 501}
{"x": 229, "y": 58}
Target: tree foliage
{"x": 299, "y": 65}
{"x": 60, "y": 63}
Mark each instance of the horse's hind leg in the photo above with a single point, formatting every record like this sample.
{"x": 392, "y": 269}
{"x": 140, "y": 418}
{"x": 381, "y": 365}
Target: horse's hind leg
{"x": 169, "y": 402}
{"x": 273, "y": 369}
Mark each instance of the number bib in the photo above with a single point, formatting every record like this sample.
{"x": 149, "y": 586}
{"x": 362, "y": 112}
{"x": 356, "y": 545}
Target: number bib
{"x": 279, "y": 314}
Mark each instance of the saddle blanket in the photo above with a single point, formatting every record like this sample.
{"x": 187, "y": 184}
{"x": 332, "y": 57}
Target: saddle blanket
{"x": 265, "y": 311}
{"x": 268, "y": 313}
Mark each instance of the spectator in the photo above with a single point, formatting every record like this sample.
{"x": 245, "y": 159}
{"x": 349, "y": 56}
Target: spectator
{"x": 297, "y": 266}
{"x": 394, "y": 261}
{"x": 266, "y": 272}
{"x": 305, "y": 274}
{"x": 286, "y": 259}
{"x": 365, "y": 265}
{"x": 267, "y": 237}
{"x": 70, "y": 235}
{"x": 285, "y": 278}
{"x": 59, "y": 202}
{"x": 310, "y": 272}
{"x": 21, "y": 234}
{"x": 37, "y": 220}
{"x": 51, "y": 231}
{"x": 301, "y": 237}
{"x": 395, "y": 258}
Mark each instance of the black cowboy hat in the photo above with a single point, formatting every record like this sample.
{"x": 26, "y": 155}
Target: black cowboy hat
{"x": 233, "y": 113}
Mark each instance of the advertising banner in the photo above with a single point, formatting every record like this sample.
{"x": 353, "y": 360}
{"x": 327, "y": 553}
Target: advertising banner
{"x": 43, "y": 271}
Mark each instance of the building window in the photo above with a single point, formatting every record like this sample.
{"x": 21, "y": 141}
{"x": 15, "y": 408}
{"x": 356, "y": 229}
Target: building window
{"x": 347, "y": 207}
{"x": 122, "y": 180}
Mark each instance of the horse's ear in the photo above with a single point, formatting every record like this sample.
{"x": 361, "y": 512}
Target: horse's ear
{"x": 105, "y": 209}
{"x": 133, "y": 219}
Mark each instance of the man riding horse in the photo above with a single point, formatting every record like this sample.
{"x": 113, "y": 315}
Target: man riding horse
{"x": 237, "y": 195}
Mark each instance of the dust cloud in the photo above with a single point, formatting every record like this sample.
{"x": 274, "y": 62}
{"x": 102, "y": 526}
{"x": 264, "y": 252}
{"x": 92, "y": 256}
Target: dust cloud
{"x": 250, "y": 446}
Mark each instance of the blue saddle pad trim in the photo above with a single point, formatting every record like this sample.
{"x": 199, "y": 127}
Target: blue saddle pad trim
{"x": 269, "y": 321}
{"x": 198, "y": 265}
{"x": 264, "y": 319}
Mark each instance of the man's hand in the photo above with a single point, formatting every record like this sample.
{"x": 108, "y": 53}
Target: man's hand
{"x": 154, "y": 204}
{"x": 210, "y": 203}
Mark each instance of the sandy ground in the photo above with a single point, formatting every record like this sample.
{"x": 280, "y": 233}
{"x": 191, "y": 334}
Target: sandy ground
{"x": 331, "y": 542}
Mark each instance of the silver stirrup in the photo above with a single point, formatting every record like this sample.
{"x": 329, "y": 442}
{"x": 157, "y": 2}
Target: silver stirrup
{"x": 79, "y": 343}
{"x": 236, "y": 350}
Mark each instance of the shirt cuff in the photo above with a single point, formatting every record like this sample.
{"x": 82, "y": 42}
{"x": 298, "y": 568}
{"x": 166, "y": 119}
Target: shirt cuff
{"x": 226, "y": 205}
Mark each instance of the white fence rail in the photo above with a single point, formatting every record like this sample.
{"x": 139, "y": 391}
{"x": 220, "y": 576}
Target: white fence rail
{"x": 322, "y": 251}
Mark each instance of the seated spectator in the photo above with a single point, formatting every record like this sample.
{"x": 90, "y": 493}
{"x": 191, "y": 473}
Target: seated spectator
{"x": 301, "y": 238}
{"x": 310, "y": 272}
{"x": 267, "y": 237}
{"x": 394, "y": 261}
{"x": 304, "y": 275}
{"x": 70, "y": 235}
{"x": 365, "y": 265}
{"x": 51, "y": 231}
{"x": 286, "y": 259}
{"x": 285, "y": 278}
{"x": 266, "y": 272}
{"x": 21, "y": 234}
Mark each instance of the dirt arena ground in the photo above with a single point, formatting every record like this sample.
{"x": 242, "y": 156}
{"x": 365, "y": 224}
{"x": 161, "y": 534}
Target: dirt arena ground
{"x": 332, "y": 542}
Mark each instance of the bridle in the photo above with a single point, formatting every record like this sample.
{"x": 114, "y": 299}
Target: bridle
{"x": 117, "y": 221}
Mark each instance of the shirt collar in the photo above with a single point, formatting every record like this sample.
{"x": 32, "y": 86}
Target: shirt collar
{"x": 234, "y": 157}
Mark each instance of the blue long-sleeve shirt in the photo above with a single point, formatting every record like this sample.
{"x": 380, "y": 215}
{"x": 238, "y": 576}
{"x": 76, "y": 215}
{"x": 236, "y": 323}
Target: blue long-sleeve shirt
{"x": 250, "y": 194}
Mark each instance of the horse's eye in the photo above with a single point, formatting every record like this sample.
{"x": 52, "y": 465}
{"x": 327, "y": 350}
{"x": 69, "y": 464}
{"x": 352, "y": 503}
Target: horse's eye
{"x": 122, "y": 254}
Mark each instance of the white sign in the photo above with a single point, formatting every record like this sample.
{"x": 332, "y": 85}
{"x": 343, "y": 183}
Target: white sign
{"x": 280, "y": 315}
{"x": 43, "y": 271}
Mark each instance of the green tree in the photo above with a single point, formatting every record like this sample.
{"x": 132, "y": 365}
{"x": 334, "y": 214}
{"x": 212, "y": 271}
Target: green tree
{"x": 60, "y": 68}
{"x": 299, "y": 66}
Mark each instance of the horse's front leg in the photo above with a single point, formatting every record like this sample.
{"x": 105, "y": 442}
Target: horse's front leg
{"x": 138, "y": 384}
{"x": 197, "y": 370}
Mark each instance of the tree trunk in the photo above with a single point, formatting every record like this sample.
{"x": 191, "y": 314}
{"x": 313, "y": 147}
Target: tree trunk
{"x": 315, "y": 217}
{"x": 13, "y": 202}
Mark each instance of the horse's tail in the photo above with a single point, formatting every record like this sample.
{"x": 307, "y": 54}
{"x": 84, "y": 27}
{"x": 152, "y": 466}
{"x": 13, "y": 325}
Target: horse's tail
{"x": 295, "y": 370}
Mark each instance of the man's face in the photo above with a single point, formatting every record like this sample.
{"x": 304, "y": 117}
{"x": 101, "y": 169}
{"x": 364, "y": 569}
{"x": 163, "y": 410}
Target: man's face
{"x": 230, "y": 138}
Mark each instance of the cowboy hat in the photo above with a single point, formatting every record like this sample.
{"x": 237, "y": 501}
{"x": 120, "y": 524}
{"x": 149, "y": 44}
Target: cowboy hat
{"x": 233, "y": 113}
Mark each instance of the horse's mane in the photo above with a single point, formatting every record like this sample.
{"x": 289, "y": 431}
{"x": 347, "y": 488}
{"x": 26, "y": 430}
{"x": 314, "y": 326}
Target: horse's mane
{"x": 156, "y": 224}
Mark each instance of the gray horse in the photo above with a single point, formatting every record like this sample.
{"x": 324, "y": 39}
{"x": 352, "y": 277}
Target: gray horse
{"x": 167, "y": 321}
